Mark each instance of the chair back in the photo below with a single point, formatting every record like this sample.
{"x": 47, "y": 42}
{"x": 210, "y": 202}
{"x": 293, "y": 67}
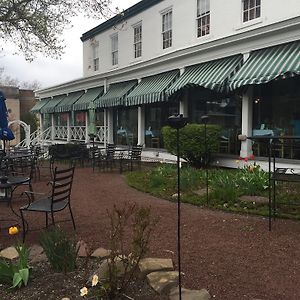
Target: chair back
{"x": 62, "y": 186}
{"x": 110, "y": 150}
{"x": 135, "y": 152}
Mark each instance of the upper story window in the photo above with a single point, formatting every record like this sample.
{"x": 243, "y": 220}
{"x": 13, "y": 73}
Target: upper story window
{"x": 203, "y": 17}
{"x": 114, "y": 49}
{"x": 137, "y": 42}
{"x": 95, "y": 48}
{"x": 251, "y": 9}
{"x": 167, "y": 29}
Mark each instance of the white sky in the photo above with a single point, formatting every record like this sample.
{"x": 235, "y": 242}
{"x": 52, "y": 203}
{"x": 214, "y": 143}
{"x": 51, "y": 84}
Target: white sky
{"x": 49, "y": 71}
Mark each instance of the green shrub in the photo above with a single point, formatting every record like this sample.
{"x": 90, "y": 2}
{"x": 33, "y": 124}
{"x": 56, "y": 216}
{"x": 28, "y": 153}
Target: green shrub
{"x": 16, "y": 273}
{"x": 60, "y": 250}
{"x": 192, "y": 142}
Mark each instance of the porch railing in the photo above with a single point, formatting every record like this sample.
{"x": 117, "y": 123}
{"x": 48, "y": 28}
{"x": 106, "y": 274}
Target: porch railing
{"x": 61, "y": 133}
{"x": 77, "y": 133}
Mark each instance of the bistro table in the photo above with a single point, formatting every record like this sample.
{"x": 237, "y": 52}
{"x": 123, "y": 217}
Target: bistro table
{"x": 7, "y": 185}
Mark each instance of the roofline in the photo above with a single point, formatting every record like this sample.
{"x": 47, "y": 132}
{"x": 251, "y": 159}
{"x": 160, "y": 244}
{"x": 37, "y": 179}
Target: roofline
{"x": 129, "y": 12}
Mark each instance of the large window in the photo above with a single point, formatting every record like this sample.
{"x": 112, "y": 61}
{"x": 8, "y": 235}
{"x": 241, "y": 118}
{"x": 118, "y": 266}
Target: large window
{"x": 95, "y": 48}
{"x": 137, "y": 42}
{"x": 251, "y": 9}
{"x": 114, "y": 49}
{"x": 156, "y": 116}
{"x": 203, "y": 17}
{"x": 126, "y": 126}
{"x": 167, "y": 29}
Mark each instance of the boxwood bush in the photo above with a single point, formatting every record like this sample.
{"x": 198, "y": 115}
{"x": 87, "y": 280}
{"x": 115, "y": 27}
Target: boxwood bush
{"x": 192, "y": 142}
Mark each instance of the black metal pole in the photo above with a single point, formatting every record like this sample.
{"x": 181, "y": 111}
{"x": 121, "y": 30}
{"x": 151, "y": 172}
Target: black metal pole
{"x": 178, "y": 216}
{"x": 206, "y": 161}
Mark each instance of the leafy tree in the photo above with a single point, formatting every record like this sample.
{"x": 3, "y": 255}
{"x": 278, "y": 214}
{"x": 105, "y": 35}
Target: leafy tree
{"x": 37, "y": 25}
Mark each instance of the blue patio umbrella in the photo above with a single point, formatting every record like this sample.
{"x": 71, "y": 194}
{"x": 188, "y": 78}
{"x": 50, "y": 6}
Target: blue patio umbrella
{"x": 5, "y": 132}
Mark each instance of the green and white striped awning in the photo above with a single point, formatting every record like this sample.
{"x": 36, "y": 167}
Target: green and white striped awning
{"x": 211, "y": 75}
{"x": 268, "y": 64}
{"x": 49, "y": 107}
{"x": 66, "y": 104}
{"x": 86, "y": 99}
{"x": 37, "y": 107}
{"x": 115, "y": 94}
{"x": 151, "y": 89}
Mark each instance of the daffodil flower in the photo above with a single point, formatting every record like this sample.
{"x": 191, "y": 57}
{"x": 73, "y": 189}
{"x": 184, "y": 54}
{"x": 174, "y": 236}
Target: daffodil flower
{"x": 13, "y": 230}
{"x": 83, "y": 291}
{"x": 95, "y": 280}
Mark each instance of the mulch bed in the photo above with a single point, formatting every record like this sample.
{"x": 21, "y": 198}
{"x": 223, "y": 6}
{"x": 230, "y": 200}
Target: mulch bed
{"x": 232, "y": 256}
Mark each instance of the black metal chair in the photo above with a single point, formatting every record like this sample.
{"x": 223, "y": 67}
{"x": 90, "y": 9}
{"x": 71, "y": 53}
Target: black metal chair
{"x": 56, "y": 201}
{"x": 134, "y": 157}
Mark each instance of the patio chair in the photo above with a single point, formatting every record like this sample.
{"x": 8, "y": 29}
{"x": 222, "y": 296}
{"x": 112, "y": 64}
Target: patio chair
{"x": 134, "y": 157}
{"x": 56, "y": 201}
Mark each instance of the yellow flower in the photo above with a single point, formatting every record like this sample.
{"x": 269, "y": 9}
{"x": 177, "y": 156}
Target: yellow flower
{"x": 13, "y": 230}
{"x": 95, "y": 280}
{"x": 83, "y": 291}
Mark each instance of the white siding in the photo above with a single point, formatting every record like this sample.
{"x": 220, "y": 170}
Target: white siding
{"x": 226, "y": 20}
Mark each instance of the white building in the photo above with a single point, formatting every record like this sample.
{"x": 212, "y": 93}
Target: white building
{"x": 236, "y": 61}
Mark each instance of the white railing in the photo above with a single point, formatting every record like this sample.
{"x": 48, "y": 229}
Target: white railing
{"x": 61, "y": 133}
{"x": 101, "y": 134}
{"x": 37, "y": 137}
{"x": 77, "y": 133}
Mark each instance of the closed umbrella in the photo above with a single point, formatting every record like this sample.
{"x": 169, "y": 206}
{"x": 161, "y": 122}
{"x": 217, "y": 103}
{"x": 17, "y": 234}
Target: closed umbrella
{"x": 5, "y": 132}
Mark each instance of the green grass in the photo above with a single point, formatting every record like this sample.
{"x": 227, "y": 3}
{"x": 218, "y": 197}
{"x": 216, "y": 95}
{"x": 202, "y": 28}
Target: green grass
{"x": 226, "y": 187}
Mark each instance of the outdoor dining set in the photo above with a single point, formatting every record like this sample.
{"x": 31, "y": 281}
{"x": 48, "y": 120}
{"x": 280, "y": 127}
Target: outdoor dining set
{"x": 23, "y": 166}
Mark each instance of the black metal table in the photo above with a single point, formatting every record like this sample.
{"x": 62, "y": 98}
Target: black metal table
{"x": 276, "y": 174}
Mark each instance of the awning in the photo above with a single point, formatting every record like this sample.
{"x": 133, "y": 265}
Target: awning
{"x": 115, "y": 94}
{"x": 268, "y": 64}
{"x": 49, "y": 107}
{"x": 211, "y": 75}
{"x": 66, "y": 104}
{"x": 87, "y": 98}
{"x": 39, "y": 105}
{"x": 151, "y": 89}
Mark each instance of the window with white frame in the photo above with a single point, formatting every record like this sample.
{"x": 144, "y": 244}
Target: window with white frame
{"x": 114, "y": 49}
{"x": 95, "y": 48}
{"x": 251, "y": 9}
{"x": 203, "y": 17}
{"x": 167, "y": 29}
{"x": 137, "y": 41}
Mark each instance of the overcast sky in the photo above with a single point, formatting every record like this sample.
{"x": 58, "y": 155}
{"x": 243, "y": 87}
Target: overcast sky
{"x": 49, "y": 71}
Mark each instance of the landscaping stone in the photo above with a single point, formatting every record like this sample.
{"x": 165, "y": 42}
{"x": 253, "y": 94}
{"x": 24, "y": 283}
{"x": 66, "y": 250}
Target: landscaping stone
{"x": 101, "y": 253}
{"x": 9, "y": 253}
{"x": 189, "y": 294}
{"x": 148, "y": 265}
{"x": 202, "y": 192}
{"x": 65, "y": 298}
{"x": 255, "y": 199}
{"x": 34, "y": 251}
{"x": 83, "y": 249}
{"x": 103, "y": 269}
{"x": 39, "y": 258}
{"x": 163, "y": 281}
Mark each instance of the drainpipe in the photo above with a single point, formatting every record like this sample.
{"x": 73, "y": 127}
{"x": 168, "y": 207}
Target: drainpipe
{"x": 105, "y": 126}
{"x": 110, "y": 127}
{"x": 86, "y": 127}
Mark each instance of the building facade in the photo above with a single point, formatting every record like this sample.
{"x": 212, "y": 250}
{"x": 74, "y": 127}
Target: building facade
{"x": 238, "y": 63}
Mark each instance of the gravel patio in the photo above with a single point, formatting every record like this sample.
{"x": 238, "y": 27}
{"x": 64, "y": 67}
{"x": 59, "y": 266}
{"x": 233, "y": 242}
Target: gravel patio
{"x": 233, "y": 256}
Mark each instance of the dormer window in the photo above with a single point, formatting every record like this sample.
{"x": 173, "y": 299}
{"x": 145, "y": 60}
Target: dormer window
{"x": 251, "y": 9}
